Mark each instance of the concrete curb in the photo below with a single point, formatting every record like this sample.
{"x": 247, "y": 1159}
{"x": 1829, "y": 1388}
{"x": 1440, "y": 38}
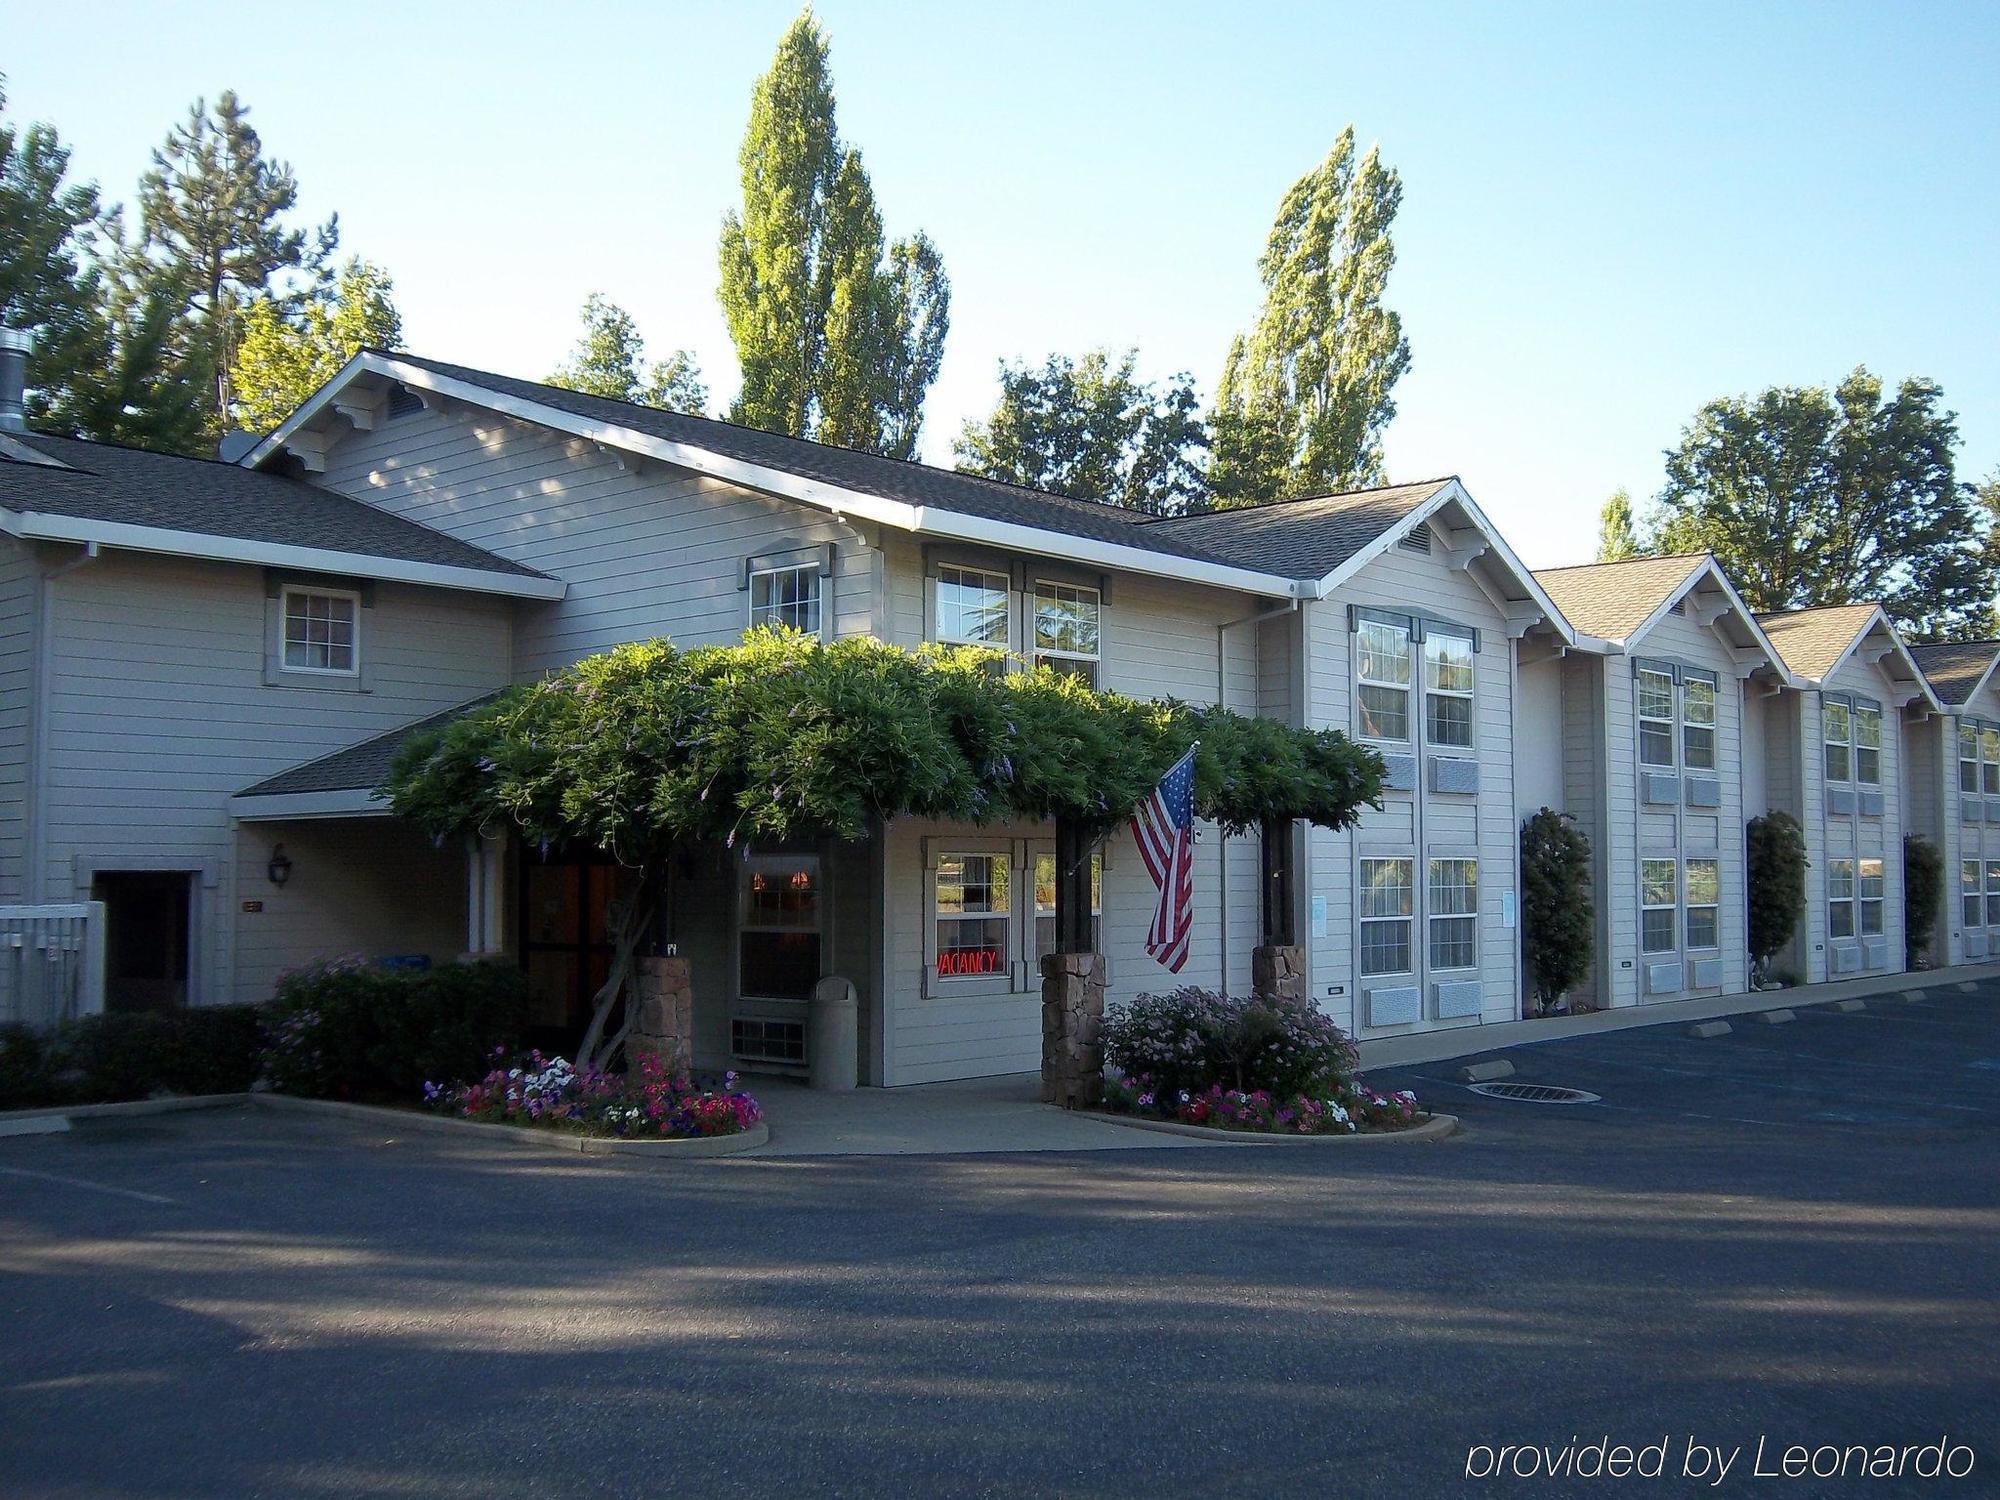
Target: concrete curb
{"x": 1850, "y": 1006}
{"x": 1710, "y": 1028}
{"x": 39, "y": 1125}
{"x": 1777, "y": 1017}
{"x": 1436, "y": 1128}
{"x": 1486, "y": 1072}
{"x": 527, "y": 1135}
{"x": 127, "y": 1107}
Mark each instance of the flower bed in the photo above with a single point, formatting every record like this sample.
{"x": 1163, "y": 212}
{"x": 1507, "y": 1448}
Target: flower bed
{"x": 1349, "y": 1110}
{"x": 1263, "y": 1065}
{"x": 550, "y": 1094}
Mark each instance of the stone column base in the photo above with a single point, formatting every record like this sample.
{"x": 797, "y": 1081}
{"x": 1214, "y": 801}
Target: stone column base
{"x": 664, "y": 1025}
{"x": 1072, "y": 1027}
{"x": 1278, "y": 972}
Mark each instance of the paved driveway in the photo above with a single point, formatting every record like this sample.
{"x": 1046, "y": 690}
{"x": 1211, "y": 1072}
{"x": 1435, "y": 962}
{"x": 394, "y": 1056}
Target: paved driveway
{"x": 247, "y": 1303}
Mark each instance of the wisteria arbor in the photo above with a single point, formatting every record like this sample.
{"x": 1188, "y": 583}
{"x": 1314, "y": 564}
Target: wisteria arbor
{"x": 648, "y": 749}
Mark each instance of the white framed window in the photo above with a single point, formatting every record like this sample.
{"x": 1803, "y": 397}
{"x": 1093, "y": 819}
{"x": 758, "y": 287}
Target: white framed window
{"x": 1872, "y": 891}
{"x": 1387, "y": 908}
{"x": 1971, "y": 902}
{"x": 1704, "y": 897}
{"x": 1837, "y": 740}
{"x": 1659, "y": 899}
{"x": 788, "y": 596}
{"x": 321, "y": 631}
{"x": 1840, "y": 898}
{"x": 1045, "y": 903}
{"x": 1067, "y": 633}
{"x": 972, "y": 911}
{"x": 974, "y": 608}
{"x": 778, "y": 928}
{"x": 1989, "y": 760}
{"x": 1656, "y": 717}
{"x": 1453, "y": 913}
{"x": 1698, "y": 722}
{"x": 1867, "y": 745}
{"x": 1382, "y": 666}
{"x": 1448, "y": 675}
{"x": 1993, "y": 893}
{"x": 1968, "y": 759}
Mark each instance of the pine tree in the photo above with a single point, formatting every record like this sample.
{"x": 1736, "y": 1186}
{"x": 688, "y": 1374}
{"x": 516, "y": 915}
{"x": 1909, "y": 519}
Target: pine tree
{"x": 49, "y": 283}
{"x": 838, "y": 339}
{"x": 1304, "y": 398}
{"x": 212, "y": 213}
{"x": 282, "y": 358}
{"x": 610, "y": 361}
{"x": 141, "y": 388}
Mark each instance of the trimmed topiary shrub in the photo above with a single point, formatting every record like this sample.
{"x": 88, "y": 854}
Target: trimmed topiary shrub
{"x": 345, "y": 1030}
{"x": 1194, "y": 1040}
{"x": 1558, "y": 917}
{"x": 1777, "y": 883}
{"x": 1923, "y": 897}
{"x": 203, "y": 1049}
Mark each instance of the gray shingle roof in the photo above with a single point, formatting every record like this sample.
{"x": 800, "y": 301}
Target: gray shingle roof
{"x": 1812, "y": 641}
{"x": 1304, "y": 538}
{"x": 133, "y": 487}
{"x": 1611, "y": 600}
{"x": 1955, "y": 667}
{"x": 357, "y": 768}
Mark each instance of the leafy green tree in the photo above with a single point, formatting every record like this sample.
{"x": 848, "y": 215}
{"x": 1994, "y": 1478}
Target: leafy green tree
{"x": 1091, "y": 429}
{"x": 1777, "y": 881}
{"x": 212, "y": 216}
{"x": 1558, "y": 919}
{"x": 645, "y": 750}
{"x": 49, "y": 283}
{"x": 282, "y": 358}
{"x": 1810, "y": 496}
{"x": 610, "y": 361}
{"x": 838, "y": 340}
{"x": 1923, "y": 897}
{"x": 1304, "y": 398}
{"x": 1617, "y": 535}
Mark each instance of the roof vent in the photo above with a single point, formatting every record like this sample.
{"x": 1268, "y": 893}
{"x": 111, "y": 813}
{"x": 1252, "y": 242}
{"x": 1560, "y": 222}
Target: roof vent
{"x": 16, "y": 344}
{"x": 235, "y": 443}
{"x": 403, "y": 402}
{"x": 1417, "y": 541}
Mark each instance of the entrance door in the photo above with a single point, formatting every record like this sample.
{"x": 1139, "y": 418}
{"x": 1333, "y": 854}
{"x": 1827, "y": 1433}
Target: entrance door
{"x": 146, "y": 914}
{"x": 565, "y": 942}
{"x": 778, "y": 956}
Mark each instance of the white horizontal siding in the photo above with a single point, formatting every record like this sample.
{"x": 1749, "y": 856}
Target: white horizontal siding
{"x": 19, "y": 575}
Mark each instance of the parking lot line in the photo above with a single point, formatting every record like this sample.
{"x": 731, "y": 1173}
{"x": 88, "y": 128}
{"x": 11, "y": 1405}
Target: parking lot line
{"x": 81, "y": 1182}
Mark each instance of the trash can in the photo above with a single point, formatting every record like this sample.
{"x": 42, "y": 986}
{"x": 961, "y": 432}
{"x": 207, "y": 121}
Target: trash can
{"x": 835, "y": 1035}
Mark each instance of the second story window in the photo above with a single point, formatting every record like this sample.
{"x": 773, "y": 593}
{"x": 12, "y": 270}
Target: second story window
{"x": 786, "y": 596}
{"x": 1867, "y": 745}
{"x": 1698, "y": 723}
{"x": 1448, "y": 662}
{"x": 1837, "y": 733}
{"x": 972, "y": 608}
{"x": 1989, "y": 760}
{"x": 1968, "y": 759}
{"x": 1382, "y": 665}
{"x": 1066, "y": 629}
{"x": 321, "y": 632}
{"x": 1656, "y": 717}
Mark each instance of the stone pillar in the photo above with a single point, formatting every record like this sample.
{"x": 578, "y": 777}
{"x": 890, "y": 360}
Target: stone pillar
{"x": 1072, "y": 1026}
{"x": 1278, "y": 972}
{"x": 664, "y": 1025}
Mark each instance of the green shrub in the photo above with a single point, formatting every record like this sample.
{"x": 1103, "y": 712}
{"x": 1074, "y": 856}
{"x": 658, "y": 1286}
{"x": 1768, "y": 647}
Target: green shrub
{"x": 1777, "y": 883}
{"x": 1193, "y": 1039}
{"x": 203, "y": 1049}
{"x": 1923, "y": 896}
{"x": 343, "y": 1030}
{"x": 1558, "y": 919}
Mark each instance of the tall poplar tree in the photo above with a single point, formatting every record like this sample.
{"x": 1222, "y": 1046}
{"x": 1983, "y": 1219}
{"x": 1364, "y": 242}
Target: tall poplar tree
{"x": 837, "y": 337}
{"x": 212, "y": 222}
{"x": 1617, "y": 531}
{"x": 1305, "y": 395}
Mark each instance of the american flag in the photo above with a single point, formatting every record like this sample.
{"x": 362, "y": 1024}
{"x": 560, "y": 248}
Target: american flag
{"x": 1164, "y": 826}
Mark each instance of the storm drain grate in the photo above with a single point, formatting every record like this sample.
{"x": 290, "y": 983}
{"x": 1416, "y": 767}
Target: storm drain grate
{"x": 1533, "y": 1093}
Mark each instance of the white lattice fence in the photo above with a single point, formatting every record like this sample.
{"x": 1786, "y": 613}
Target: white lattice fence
{"x": 51, "y": 962}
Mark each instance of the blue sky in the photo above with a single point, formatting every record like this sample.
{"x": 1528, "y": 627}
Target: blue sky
{"x": 1611, "y": 213}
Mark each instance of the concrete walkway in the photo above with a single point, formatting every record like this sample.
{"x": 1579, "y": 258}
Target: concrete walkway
{"x": 976, "y": 1116}
{"x": 1497, "y": 1036}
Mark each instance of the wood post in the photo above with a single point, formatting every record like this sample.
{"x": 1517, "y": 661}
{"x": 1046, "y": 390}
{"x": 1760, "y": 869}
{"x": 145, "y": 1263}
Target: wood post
{"x": 1277, "y": 884}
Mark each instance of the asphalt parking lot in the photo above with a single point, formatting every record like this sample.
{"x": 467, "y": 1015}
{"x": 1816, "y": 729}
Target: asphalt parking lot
{"x": 1791, "y": 1233}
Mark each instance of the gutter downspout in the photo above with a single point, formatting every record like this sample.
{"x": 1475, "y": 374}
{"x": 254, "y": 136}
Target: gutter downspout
{"x": 37, "y": 884}
{"x": 1290, "y": 607}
